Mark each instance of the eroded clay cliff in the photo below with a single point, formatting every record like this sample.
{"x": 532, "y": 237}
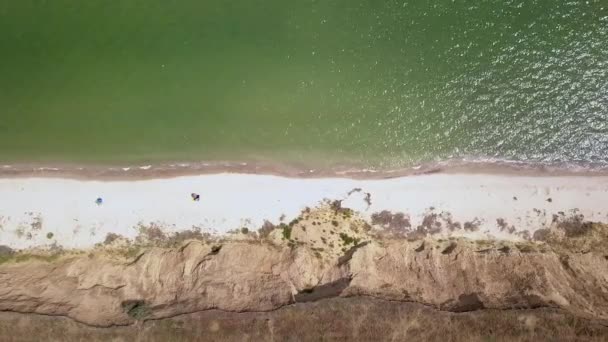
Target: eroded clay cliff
{"x": 567, "y": 271}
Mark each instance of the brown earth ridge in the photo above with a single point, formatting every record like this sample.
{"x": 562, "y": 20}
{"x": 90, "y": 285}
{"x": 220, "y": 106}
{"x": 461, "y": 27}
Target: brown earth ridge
{"x": 328, "y": 255}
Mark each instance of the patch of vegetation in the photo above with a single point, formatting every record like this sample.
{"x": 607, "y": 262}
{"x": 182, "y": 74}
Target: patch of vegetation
{"x": 347, "y": 240}
{"x": 20, "y": 231}
{"x": 575, "y": 226}
{"x": 131, "y": 251}
{"x": 485, "y": 245}
{"x": 49, "y": 235}
{"x": 397, "y": 223}
{"x": 542, "y": 234}
{"x": 336, "y": 207}
{"x": 5, "y": 258}
{"x": 151, "y": 233}
{"x": 23, "y": 257}
{"x": 245, "y": 230}
{"x": 37, "y": 223}
{"x": 287, "y": 232}
{"x": 368, "y": 199}
{"x": 111, "y": 237}
{"x": 524, "y": 248}
{"x": 354, "y": 190}
{"x": 430, "y": 222}
{"x": 525, "y": 235}
{"x": 502, "y": 223}
{"x": 6, "y": 250}
{"x": 177, "y": 238}
{"x": 472, "y": 226}
{"x": 266, "y": 229}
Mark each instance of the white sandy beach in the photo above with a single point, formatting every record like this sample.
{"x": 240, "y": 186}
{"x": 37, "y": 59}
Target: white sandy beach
{"x": 31, "y": 208}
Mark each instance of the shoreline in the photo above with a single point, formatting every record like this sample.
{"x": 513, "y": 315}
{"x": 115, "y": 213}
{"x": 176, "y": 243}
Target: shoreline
{"x": 148, "y": 171}
{"x": 52, "y": 211}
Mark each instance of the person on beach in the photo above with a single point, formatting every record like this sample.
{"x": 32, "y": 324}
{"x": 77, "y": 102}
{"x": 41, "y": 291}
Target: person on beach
{"x": 195, "y": 197}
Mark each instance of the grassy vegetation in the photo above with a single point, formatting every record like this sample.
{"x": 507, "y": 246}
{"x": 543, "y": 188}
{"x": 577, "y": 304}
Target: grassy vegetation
{"x": 130, "y": 252}
{"x": 287, "y": 232}
{"x": 23, "y": 257}
{"x": 347, "y": 239}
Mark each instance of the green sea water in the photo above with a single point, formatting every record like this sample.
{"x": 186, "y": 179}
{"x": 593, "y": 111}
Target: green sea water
{"x": 382, "y": 83}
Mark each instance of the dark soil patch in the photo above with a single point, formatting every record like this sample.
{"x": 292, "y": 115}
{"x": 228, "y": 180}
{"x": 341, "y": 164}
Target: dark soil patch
{"x": 329, "y": 290}
{"x": 504, "y": 249}
{"x": 215, "y": 249}
{"x": 137, "y": 309}
{"x": 465, "y": 303}
{"x": 349, "y": 254}
{"x": 449, "y": 249}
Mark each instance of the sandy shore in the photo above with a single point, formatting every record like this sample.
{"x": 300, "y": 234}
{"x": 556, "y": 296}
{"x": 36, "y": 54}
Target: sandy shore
{"x": 45, "y": 211}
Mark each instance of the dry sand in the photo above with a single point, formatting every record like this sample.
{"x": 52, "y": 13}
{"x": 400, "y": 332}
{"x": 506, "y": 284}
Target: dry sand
{"x": 44, "y": 211}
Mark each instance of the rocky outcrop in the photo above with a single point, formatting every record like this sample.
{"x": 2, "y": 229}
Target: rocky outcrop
{"x": 566, "y": 272}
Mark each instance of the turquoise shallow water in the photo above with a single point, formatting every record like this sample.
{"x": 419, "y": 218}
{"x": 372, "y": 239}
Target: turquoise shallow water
{"x": 381, "y": 83}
